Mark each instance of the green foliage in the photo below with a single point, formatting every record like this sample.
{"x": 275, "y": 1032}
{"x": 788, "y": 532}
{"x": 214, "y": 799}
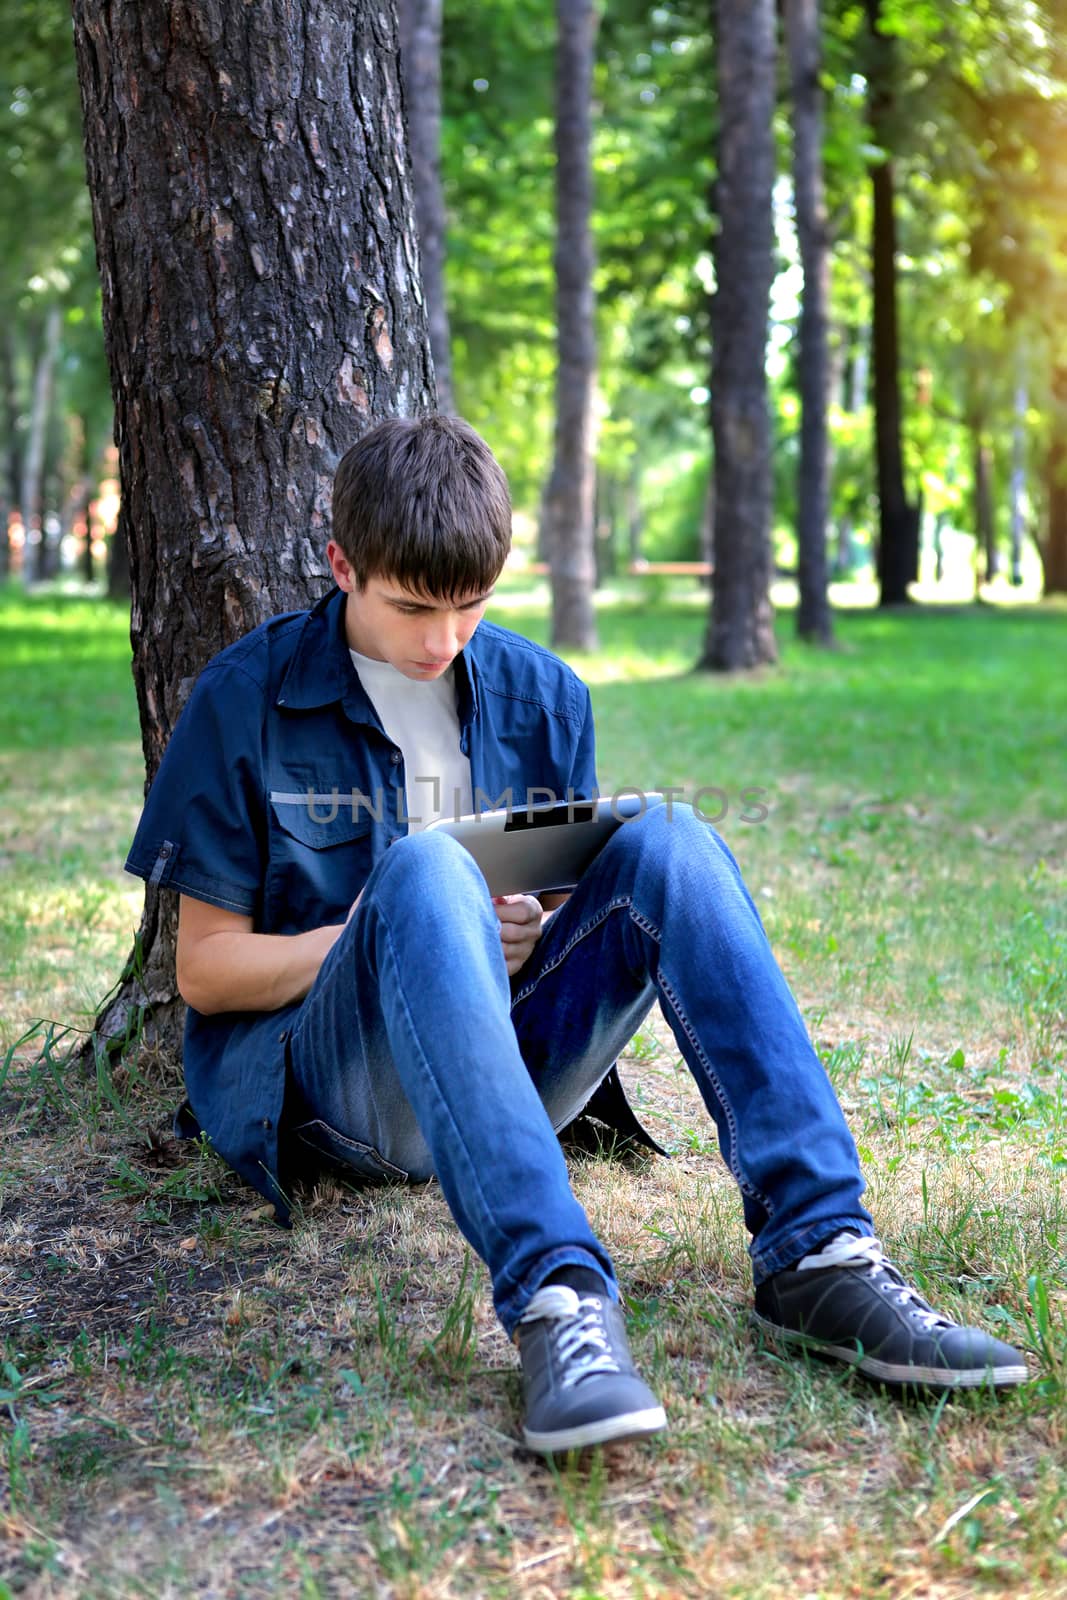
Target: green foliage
{"x": 977, "y": 134}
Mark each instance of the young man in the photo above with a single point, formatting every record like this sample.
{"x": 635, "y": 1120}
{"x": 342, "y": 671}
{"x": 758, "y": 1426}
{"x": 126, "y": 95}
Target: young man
{"x": 354, "y": 991}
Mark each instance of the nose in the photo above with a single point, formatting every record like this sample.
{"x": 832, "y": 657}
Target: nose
{"x": 441, "y": 641}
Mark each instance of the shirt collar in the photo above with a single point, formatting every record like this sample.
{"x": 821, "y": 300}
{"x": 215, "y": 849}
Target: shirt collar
{"x": 321, "y": 671}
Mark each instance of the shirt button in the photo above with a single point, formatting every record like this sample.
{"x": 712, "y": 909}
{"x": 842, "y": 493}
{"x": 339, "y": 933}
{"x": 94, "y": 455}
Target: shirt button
{"x": 266, "y": 1123}
{"x": 283, "y": 1036}
{"x": 396, "y": 758}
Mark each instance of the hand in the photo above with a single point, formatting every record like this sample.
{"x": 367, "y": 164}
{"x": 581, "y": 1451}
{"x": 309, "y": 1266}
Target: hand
{"x": 520, "y": 927}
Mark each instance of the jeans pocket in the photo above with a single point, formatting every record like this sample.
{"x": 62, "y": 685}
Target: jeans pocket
{"x": 361, "y": 1159}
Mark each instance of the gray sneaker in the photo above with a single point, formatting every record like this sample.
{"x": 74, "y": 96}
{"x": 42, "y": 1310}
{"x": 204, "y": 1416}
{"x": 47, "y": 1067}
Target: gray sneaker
{"x": 849, "y": 1303}
{"x": 579, "y": 1380}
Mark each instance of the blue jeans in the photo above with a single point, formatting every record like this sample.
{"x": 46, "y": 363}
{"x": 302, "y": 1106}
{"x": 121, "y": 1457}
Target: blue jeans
{"x": 414, "y": 1056}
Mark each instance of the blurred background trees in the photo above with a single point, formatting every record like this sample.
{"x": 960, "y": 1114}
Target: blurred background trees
{"x": 943, "y": 289}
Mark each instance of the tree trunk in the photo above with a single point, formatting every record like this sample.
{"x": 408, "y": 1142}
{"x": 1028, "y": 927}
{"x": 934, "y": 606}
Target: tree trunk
{"x": 707, "y": 528}
{"x": 420, "y": 36}
{"x": 568, "y": 503}
{"x": 30, "y": 495}
{"x": 9, "y": 452}
{"x": 859, "y": 372}
{"x": 88, "y": 563}
{"x": 803, "y": 32}
{"x": 1053, "y": 547}
{"x": 1018, "y": 484}
{"x": 605, "y": 501}
{"x": 984, "y": 519}
{"x": 256, "y": 244}
{"x": 940, "y": 523}
{"x": 741, "y": 624}
{"x": 119, "y": 581}
{"x": 898, "y": 537}
{"x": 634, "y": 518}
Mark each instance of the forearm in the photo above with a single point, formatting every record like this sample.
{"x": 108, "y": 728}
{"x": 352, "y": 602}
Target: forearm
{"x": 238, "y": 971}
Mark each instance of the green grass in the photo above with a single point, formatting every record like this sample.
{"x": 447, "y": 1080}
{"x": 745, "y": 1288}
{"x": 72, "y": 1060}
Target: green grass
{"x": 71, "y": 778}
{"x": 192, "y": 1401}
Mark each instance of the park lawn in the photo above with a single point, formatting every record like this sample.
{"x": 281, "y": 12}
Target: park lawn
{"x": 192, "y": 1401}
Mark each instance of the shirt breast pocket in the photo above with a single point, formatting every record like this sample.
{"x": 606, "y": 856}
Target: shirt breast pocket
{"x": 320, "y": 858}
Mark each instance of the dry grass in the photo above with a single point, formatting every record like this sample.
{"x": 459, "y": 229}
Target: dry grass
{"x": 198, "y": 1403}
{"x": 194, "y": 1403}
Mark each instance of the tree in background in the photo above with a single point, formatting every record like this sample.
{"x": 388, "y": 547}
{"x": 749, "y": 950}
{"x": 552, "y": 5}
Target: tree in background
{"x": 45, "y": 284}
{"x": 803, "y": 27}
{"x": 1019, "y": 234}
{"x": 898, "y": 517}
{"x": 741, "y": 625}
{"x": 30, "y": 487}
{"x": 256, "y": 241}
{"x": 568, "y": 501}
{"x": 420, "y": 37}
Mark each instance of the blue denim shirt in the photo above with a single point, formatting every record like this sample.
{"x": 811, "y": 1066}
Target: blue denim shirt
{"x": 280, "y": 716}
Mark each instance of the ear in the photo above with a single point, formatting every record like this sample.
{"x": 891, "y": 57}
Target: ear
{"x": 341, "y": 567}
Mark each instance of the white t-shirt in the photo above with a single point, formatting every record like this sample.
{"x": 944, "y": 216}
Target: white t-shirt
{"x": 422, "y": 719}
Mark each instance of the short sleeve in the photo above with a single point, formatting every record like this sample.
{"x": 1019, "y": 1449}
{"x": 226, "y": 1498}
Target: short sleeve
{"x": 583, "y": 782}
{"x": 203, "y": 830}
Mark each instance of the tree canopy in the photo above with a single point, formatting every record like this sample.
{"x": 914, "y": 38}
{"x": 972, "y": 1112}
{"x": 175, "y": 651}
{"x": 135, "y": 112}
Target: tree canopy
{"x": 974, "y": 126}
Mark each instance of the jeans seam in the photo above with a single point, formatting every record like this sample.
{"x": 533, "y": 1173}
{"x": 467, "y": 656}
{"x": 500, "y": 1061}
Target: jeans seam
{"x": 742, "y": 1182}
{"x": 668, "y": 994}
{"x": 576, "y": 938}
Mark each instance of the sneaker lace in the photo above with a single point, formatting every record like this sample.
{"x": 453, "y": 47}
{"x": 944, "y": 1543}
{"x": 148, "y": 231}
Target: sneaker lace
{"x": 581, "y": 1339}
{"x": 850, "y": 1249}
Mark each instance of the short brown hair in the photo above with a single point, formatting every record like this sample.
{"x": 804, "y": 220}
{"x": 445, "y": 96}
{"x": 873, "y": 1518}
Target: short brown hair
{"x": 423, "y": 501}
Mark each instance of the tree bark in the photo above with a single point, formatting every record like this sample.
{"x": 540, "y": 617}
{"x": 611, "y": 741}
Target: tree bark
{"x": 256, "y": 245}
{"x": 741, "y": 623}
{"x": 803, "y": 32}
{"x": 898, "y": 537}
{"x": 420, "y": 35}
{"x": 568, "y": 502}
{"x": 30, "y": 493}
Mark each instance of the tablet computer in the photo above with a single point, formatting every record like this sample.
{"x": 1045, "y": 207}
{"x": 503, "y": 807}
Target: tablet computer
{"x": 539, "y": 849}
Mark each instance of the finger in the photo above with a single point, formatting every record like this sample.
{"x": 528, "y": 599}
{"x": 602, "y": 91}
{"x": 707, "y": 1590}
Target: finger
{"x": 520, "y": 913}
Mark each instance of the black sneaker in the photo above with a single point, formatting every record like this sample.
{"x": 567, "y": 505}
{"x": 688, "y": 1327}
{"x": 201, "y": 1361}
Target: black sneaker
{"x": 848, "y": 1302}
{"x": 579, "y": 1380}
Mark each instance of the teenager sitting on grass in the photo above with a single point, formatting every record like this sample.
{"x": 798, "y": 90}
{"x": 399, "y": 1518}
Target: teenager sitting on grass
{"x": 355, "y": 992}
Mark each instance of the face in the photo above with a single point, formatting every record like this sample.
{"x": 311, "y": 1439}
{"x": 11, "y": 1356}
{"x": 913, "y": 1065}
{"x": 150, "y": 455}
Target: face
{"x": 418, "y": 635}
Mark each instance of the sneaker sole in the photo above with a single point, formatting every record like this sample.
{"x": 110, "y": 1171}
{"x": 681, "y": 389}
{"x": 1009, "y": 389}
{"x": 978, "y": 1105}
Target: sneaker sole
{"x": 604, "y": 1430}
{"x": 893, "y": 1372}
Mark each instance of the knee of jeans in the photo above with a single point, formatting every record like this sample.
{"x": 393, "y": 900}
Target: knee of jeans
{"x": 674, "y": 835}
{"x": 431, "y": 859}
{"x": 658, "y": 828}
